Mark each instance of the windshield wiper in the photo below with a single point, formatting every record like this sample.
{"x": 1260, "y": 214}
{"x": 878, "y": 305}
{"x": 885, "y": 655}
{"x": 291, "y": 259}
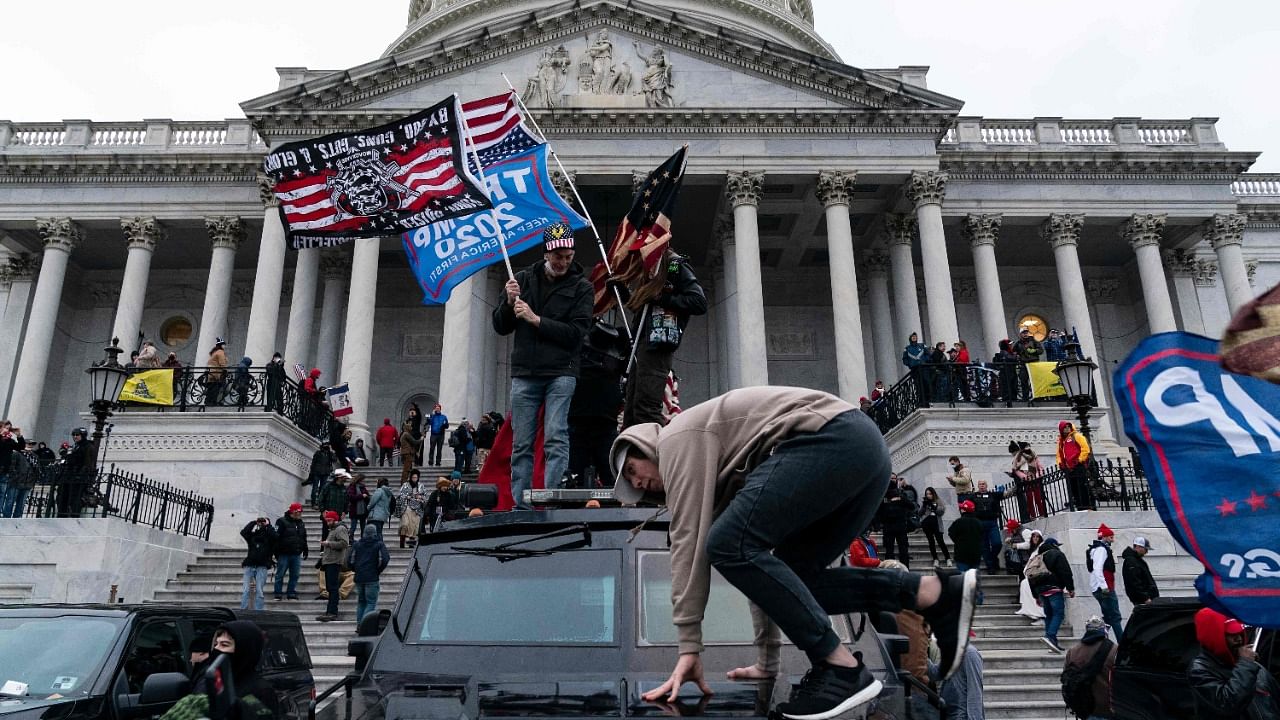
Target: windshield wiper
{"x": 513, "y": 550}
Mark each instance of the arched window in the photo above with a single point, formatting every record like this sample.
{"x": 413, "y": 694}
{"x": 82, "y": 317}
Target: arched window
{"x": 1036, "y": 324}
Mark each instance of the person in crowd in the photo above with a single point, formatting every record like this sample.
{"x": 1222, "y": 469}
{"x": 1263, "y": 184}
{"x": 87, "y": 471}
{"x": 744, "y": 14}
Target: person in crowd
{"x": 1226, "y": 678}
{"x": 1073, "y": 456}
{"x": 386, "y": 438}
{"x": 1027, "y": 348}
{"x": 261, "y": 539}
{"x": 938, "y": 374}
{"x": 255, "y": 699}
{"x": 411, "y": 502}
{"x": 359, "y": 457}
{"x": 987, "y": 509}
{"x": 369, "y": 557}
{"x": 172, "y": 362}
{"x": 1086, "y": 672}
{"x": 242, "y": 381}
{"x": 863, "y": 552}
{"x": 960, "y": 478}
{"x": 907, "y": 489}
{"x": 291, "y": 548}
{"x": 276, "y": 378}
{"x": 485, "y": 435}
{"x": 663, "y": 304}
{"x": 1139, "y": 585}
{"x": 931, "y": 512}
{"x": 1026, "y": 473}
{"x": 962, "y": 352}
{"x": 1028, "y": 606}
{"x": 497, "y": 418}
{"x": 11, "y": 442}
{"x": 597, "y": 402}
{"x": 1054, "y": 346}
{"x": 864, "y": 404}
{"x": 963, "y": 691}
{"x": 548, "y": 308}
{"x": 318, "y": 473}
{"x": 442, "y": 505}
{"x": 807, "y": 469}
{"x": 333, "y": 497}
{"x": 895, "y": 508}
{"x": 45, "y": 454}
{"x": 333, "y": 552}
{"x": 966, "y": 535}
{"x": 408, "y": 451}
{"x": 357, "y": 504}
{"x": 1052, "y": 583}
{"x": 915, "y": 353}
{"x": 438, "y": 422}
{"x": 148, "y": 358}
{"x": 339, "y": 439}
{"x": 1013, "y": 376}
{"x": 132, "y": 365}
{"x": 379, "y": 506}
{"x": 215, "y": 378}
{"x": 878, "y": 391}
{"x": 76, "y": 474}
{"x": 1016, "y": 547}
{"x": 463, "y": 445}
{"x": 1101, "y": 565}
{"x": 959, "y": 358}
{"x": 311, "y": 387}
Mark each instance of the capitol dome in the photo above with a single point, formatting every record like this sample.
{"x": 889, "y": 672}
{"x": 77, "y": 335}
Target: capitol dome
{"x": 786, "y": 22}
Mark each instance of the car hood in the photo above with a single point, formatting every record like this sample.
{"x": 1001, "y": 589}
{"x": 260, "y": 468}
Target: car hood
{"x": 34, "y": 707}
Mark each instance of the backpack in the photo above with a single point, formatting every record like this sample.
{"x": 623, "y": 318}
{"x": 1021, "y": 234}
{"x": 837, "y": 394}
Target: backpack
{"x": 454, "y": 441}
{"x": 1036, "y": 571}
{"x": 1077, "y": 682}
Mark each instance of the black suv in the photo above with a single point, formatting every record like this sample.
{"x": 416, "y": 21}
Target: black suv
{"x": 93, "y": 662}
{"x": 563, "y": 613}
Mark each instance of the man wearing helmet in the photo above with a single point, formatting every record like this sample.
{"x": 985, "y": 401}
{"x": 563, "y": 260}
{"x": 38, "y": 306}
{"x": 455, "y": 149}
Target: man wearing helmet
{"x": 76, "y": 475}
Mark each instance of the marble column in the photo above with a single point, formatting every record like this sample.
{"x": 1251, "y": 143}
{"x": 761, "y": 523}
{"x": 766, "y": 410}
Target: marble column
{"x": 982, "y": 231}
{"x": 888, "y": 366}
{"x": 302, "y": 308}
{"x": 18, "y": 273}
{"x": 264, "y": 311}
{"x": 1226, "y": 234}
{"x": 143, "y": 234}
{"x": 833, "y": 190}
{"x": 334, "y": 268}
{"x": 60, "y": 236}
{"x": 461, "y": 350}
{"x": 902, "y": 230}
{"x": 1062, "y": 231}
{"x": 225, "y": 234}
{"x": 745, "y": 188}
{"x": 1142, "y": 231}
{"x": 357, "y": 347}
{"x": 926, "y": 190}
{"x": 1184, "y": 267}
{"x": 729, "y": 303}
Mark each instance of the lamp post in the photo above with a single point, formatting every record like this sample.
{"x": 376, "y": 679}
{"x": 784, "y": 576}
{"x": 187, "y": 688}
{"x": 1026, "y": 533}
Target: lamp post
{"x": 1076, "y": 375}
{"x": 106, "y": 377}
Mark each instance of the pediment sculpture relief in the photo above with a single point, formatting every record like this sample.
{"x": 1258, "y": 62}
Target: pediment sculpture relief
{"x": 605, "y": 77}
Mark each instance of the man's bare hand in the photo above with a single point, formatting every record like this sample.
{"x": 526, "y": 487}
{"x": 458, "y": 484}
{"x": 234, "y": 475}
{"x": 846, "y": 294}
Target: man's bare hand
{"x": 1247, "y": 653}
{"x": 526, "y": 313}
{"x": 751, "y": 672}
{"x": 688, "y": 669}
{"x": 512, "y": 289}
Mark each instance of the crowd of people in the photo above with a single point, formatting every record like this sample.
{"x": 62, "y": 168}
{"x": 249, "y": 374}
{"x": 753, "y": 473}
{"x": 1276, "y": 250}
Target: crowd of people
{"x": 23, "y": 462}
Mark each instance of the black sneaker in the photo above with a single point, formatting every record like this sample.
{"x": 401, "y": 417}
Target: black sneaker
{"x": 827, "y": 691}
{"x": 1053, "y": 644}
{"x": 951, "y": 618}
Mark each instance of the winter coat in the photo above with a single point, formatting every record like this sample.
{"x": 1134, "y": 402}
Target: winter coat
{"x": 321, "y": 465}
{"x": 914, "y": 354}
{"x": 261, "y": 539}
{"x": 380, "y": 504}
{"x": 485, "y": 435}
{"x": 291, "y": 537}
{"x": 408, "y": 444}
{"x": 78, "y": 457}
{"x": 1079, "y": 656}
{"x": 894, "y": 509}
{"x": 255, "y": 697}
{"x": 1138, "y": 583}
{"x": 369, "y": 556}
{"x": 1226, "y": 687}
{"x": 863, "y": 553}
{"x": 931, "y": 515}
{"x": 553, "y": 349}
{"x": 217, "y": 365}
{"x": 147, "y": 358}
{"x": 333, "y": 497}
{"x": 1054, "y": 349}
{"x": 335, "y": 546}
{"x": 357, "y": 494}
{"x": 8, "y": 446}
{"x": 1059, "y": 570}
{"x": 1073, "y": 449}
{"x": 1028, "y": 349}
{"x": 276, "y": 376}
{"x": 684, "y": 296}
{"x": 439, "y": 423}
{"x": 442, "y": 501}
{"x": 412, "y": 498}
{"x": 962, "y": 357}
{"x": 962, "y": 480}
{"x": 386, "y": 437}
{"x": 966, "y": 533}
{"x": 311, "y": 385}
{"x": 242, "y": 372}
{"x": 986, "y": 506}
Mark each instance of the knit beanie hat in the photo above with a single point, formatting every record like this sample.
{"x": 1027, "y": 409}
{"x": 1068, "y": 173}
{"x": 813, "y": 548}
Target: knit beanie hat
{"x": 557, "y": 236}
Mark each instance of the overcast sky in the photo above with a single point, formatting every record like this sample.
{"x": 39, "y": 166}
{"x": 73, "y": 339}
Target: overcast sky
{"x": 136, "y": 59}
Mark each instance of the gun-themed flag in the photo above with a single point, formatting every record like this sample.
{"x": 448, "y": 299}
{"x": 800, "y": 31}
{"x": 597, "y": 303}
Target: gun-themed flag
{"x": 376, "y": 182}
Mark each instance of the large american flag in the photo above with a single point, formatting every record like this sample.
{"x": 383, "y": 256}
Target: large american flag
{"x": 498, "y": 129}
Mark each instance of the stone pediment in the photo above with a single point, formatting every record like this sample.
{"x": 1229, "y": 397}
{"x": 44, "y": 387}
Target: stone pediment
{"x": 606, "y": 56}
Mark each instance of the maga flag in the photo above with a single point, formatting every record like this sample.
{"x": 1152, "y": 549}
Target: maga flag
{"x": 375, "y": 182}
{"x": 1210, "y": 442}
{"x": 645, "y": 232}
{"x": 153, "y": 387}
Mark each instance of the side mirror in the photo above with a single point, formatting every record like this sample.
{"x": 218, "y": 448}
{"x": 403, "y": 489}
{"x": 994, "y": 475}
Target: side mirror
{"x": 164, "y": 688}
{"x": 360, "y": 649}
{"x": 373, "y": 624}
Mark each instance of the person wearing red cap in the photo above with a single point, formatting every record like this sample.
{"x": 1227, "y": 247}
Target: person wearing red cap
{"x": 1226, "y": 678}
{"x": 1016, "y": 547}
{"x": 335, "y": 550}
{"x": 1102, "y": 578}
{"x": 291, "y": 549}
{"x": 966, "y": 534}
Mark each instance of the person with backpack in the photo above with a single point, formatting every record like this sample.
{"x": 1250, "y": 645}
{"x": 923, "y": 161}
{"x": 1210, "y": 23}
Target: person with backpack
{"x": 1102, "y": 577}
{"x": 1051, "y": 581}
{"x": 381, "y": 505}
{"x": 1086, "y": 674}
{"x": 1028, "y": 605}
{"x": 369, "y": 557}
{"x": 1016, "y": 547}
{"x": 462, "y": 440}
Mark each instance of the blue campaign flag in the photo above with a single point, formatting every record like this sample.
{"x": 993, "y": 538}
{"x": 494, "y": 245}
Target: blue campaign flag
{"x": 444, "y": 254}
{"x": 1210, "y": 444}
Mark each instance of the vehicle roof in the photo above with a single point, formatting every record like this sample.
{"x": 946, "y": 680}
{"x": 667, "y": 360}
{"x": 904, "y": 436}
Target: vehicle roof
{"x": 142, "y": 609}
{"x": 523, "y": 522}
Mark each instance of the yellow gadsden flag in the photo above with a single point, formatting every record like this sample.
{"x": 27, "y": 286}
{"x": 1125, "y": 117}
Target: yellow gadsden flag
{"x": 1044, "y": 383}
{"x": 153, "y": 387}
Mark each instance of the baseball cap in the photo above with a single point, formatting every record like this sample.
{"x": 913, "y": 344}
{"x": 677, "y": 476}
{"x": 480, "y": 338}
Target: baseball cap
{"x": 967, "y": 506}
{"x": 331, "y": 515}
{"x": 1141, "y": 541}
{"x": 296, "y": 507}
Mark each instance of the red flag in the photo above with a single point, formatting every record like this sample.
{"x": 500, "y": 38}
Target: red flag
{"x": 497, "y": 466}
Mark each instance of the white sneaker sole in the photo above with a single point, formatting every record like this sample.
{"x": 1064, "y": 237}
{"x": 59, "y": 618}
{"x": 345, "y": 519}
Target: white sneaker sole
{"x": 967, "y": 607}
{"x": 862, "y": 697}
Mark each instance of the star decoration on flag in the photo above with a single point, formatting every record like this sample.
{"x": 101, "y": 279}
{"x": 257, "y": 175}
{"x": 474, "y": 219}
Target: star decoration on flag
{"x": 1227, "y": 508}
{"x": 1256, "y": 502}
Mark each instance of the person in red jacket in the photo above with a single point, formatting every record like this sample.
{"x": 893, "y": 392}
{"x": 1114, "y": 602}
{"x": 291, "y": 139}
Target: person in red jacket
{"x": 863, "y": 552}
{"x": 311, "y": 386}
{"x": 386, "y": 438}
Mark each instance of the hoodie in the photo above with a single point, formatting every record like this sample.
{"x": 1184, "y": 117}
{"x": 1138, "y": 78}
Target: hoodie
{"x": 369, "y": 556}
{"x": 1226, "y": 686}
{"x": 1073, "y": 449}
{"x": 254, "y": 696}
{"x": 386, "y": 436}
{"x": 311, "y": 385}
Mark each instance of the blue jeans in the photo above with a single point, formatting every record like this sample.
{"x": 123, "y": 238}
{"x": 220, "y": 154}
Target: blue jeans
{"x": 991, "y": 545}
{"x": 796, "y": 514}
{"x": 366, "y": 600}
{"x": 527, "y": 395}
{"x": 14, "y": 502}
{"x": 292, "y": 564}
{"x": 1110, "y": 606}
{"x": 1055, "y": 609}
{"x": 378, "y": 524}
{"x": 259, "y": 577}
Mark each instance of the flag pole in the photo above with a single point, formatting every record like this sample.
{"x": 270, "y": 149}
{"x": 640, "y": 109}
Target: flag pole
{"x": 604, "y": 254}
{"x": 493, "y": 211}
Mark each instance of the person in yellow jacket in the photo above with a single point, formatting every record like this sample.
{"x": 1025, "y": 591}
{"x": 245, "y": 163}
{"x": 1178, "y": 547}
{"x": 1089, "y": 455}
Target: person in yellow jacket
{"x": 1073, "y": 458}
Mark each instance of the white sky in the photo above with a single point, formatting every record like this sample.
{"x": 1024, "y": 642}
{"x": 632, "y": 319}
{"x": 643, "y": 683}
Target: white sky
{"x": 136, "y": 59}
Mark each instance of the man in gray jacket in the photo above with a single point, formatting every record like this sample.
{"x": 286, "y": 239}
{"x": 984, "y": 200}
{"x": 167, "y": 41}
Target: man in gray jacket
{"x": 769, "y": 485}
{"x": 334, "y": 548}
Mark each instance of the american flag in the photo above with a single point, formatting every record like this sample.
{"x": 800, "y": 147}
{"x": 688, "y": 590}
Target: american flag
{"x": 645, "y": 232}
{"x": 498, "y": 129}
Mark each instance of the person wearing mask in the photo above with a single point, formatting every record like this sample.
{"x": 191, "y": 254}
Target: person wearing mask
{"x": 411, "y": 502}
{"x": 1073, "y": 456}
{"x": 386, "y": 439}
{"x": 255, "y": 699}
{"x": 291, "y": 548}
{"x": 276, "y": 379}
{"x": 369, "y": 557}
{"x": 1101, "y": 565}
{"x": 1226, "y": 678}
{"x": 960, "y": 478}
{"x": 380, "y": 501}
{"x": 986, "y": 506}
{"x": 966, "y": 535}
{"x": 438, "y": 422}
{"x": 931, "y": 512}
{"x": 1086, "y": 673}
{"x": 333, "y": 552}
{"x": 1052, "y": 583}
{"x": 261, "y": 539}
{"x": 1139, "y": 584}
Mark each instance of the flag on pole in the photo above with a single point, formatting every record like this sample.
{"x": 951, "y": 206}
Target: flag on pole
{"x": 497, "y": 466}
{"x": 375, "y": 182}
{"x": 340, "y": 400}
{"x": 645, "y": 232}
{"x": 299, "y": 371}
{"x": 151, "y": 387}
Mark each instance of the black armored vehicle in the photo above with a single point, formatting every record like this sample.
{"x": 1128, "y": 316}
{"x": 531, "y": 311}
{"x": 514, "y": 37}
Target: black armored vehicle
{"x": 562, "y": 613}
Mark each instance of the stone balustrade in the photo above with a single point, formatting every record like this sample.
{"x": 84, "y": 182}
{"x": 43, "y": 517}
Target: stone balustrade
{"x": 1257, "y": 185}
{"x": 166, "y": 135}
{"x": 1058, "y": 133}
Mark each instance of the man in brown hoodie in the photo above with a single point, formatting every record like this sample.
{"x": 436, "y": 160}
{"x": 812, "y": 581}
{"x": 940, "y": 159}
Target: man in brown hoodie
{"x": 769, "y": 485}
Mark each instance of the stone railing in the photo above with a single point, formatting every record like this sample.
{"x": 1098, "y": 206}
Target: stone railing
{"x": 1257, "y": 185}
{"x": 114, "y": 136}
{"x": 1059, "y": 134}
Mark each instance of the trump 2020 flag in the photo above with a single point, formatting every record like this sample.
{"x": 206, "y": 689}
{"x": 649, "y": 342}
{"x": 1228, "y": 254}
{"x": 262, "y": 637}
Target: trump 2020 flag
{"x": 1210, "y": 443}
{"x": 340, "y": 400}
{"x": 381, "y": 181}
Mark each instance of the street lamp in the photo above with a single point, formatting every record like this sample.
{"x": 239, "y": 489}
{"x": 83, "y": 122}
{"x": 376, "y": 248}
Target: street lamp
{"x": 106, "y": 377}
{"x": 1076, "y": 375}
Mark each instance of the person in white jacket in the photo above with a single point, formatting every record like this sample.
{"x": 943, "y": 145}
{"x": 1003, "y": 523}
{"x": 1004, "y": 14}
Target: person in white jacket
{"x": 1028, "y": 607}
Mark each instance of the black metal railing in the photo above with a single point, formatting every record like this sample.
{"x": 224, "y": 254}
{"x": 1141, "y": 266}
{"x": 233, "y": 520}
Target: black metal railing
{"x": 195, "y": 389}
{"x": 951, "y": 385}
{"x": 55, "y": 491}
{"x": 1104, "y": 485}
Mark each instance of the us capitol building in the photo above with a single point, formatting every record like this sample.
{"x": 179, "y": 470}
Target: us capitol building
{"x": 829, "y": 210}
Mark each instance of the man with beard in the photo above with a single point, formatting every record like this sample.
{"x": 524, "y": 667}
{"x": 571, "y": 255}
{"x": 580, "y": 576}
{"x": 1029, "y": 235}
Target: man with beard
{"x": 1226, "y": 677}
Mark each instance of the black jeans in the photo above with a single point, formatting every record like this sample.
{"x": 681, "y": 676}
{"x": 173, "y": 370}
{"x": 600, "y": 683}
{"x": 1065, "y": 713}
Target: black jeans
{"x": 435, "y": 448}
{"x": 589, "y": 441}
{"x": 332, "y": 583}
{"x": 384, "y": 457}
{"x": 1078, "y": 487}
{"x": 896, "y": 536}
{"x": 933, "y": 533}
{"x": 795, "y": 515}
{"x": 647, "y": 386}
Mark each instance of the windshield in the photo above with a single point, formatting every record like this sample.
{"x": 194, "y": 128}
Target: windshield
{"x": 54, "y": 657}
{"x": 478, "y": 599}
